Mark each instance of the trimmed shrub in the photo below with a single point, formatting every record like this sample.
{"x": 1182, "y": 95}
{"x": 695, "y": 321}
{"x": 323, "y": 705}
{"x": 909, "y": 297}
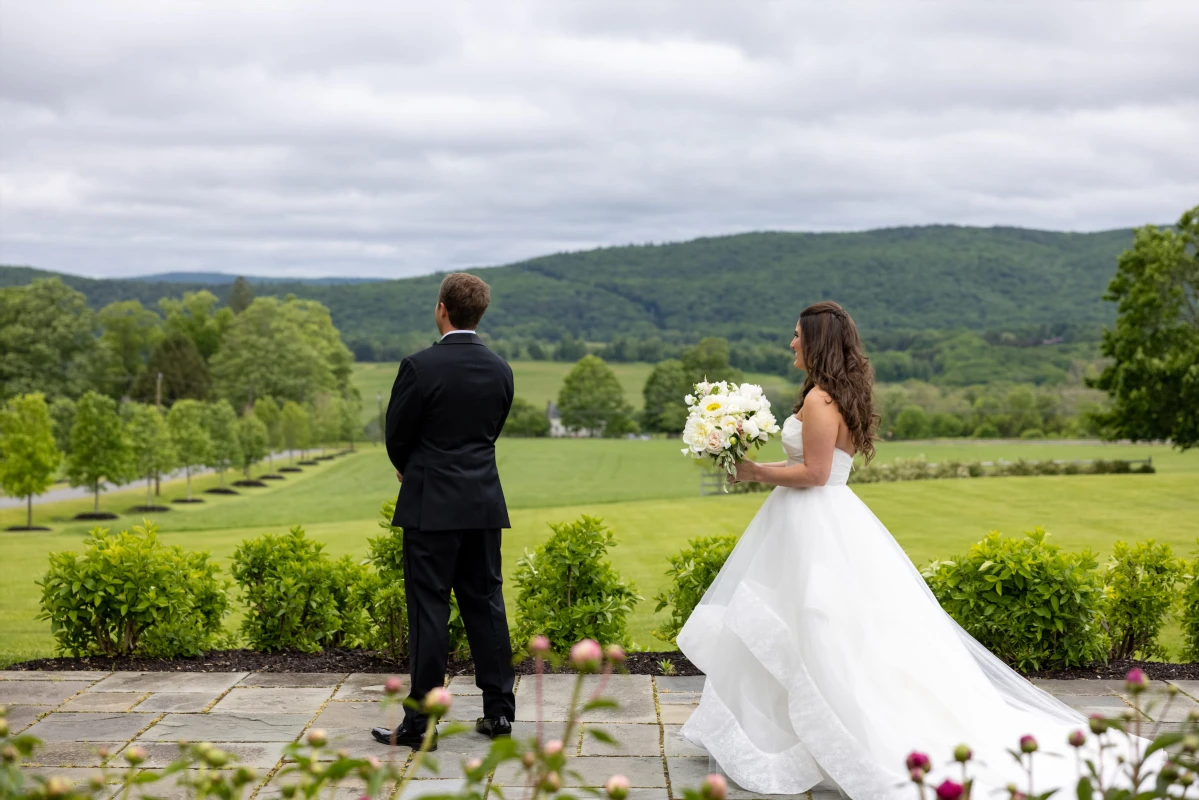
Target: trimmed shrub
{"x": 691, "y": 572}
{"x": 1189, "y": 614}
{"x": 1025, "y": 600}
{"x": 526, "y": 419}
{"x": 130, "y": 594}
{"x": 911, "y": 469}
{"x": 287, "y": 583}
{"x": 382, "y": 593}
{"x": 567, "y": 590}
{"x": 1139, "y": 592}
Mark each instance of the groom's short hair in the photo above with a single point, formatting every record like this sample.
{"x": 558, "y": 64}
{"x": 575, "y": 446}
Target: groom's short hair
{"x": 465, "y": 298}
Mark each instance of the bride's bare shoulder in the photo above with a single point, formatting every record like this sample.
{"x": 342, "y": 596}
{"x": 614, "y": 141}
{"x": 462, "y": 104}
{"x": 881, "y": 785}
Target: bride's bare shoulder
{"x": 817, "y": 402}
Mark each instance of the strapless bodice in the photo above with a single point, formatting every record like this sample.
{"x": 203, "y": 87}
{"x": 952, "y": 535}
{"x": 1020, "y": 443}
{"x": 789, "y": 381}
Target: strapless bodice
{"x": 793, "y": 447}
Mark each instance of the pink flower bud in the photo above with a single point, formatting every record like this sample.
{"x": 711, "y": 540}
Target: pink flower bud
{"x": 617, "y": 787}
{"x": 1098, "y": 724}
{"x": 552, "y": 782}
{"x": 438, "y": 701}
{"x": 585, "y": 656}
{"x": 962, "y": 753}
{"x": 529, "y": 759}
{"x": 552, "y": 748}
{"x": 135, "y": 755}
{"x": 317, "y": 737}
{"x": 393, "y": 686}
{"x": 1077, "y": 739}
{"x": 1136, "y": 681}
{"x": 615, "y": 653}
{"x": 949, "y": 790}
{"x": 714, "y": 787}
{"x": 539, "y": 646}
{"x": 918, "y": 760}
{"x": 917, "y": 775}
{"x": 1028, "y": 744}
{"x": 474, "y": 765}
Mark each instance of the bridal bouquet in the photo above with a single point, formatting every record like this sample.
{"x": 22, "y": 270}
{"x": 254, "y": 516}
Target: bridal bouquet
{"x": 725, "y": 420}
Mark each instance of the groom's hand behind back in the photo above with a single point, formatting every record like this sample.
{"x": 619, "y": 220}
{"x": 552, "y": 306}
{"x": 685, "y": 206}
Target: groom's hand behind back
{"x": 399, "y": 477}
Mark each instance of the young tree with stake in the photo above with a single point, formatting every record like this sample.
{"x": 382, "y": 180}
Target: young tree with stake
{"x": 221, "y": 422}
{"x": 100, "y": 450}
{"x": 153, "y": 450}
{"x": 254, "y": 445}
{"x": 189, "y": 435}
{"x": 267, "y": 410}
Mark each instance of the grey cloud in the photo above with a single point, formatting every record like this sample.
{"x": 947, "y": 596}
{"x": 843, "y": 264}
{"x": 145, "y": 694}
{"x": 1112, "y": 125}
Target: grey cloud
{"x": 399, "y": 138}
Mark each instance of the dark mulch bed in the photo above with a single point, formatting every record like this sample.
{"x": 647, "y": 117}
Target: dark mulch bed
{"x": 309, "y": 463}
{"x": 290, "y": 469}
{"x": 221, "y": 490}
{"x": 150, "y": 509}
{"x": 334, "y": 660}
{"x": 188, "y": 500}
{"x": 23, "y": 528}
{"x": 271, "y": 477}
{"x": 254, "y": 483}
{"x": 96, "y": 515}
{"x": 339, "y": 660}
{"x": 325, "y": 458}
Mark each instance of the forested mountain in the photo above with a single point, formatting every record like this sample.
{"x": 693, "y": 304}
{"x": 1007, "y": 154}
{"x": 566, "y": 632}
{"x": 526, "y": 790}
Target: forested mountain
{"x": 744, "y": 287}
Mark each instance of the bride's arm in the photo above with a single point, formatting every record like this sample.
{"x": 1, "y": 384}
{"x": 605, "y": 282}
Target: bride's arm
{"x": 820, "y": 424}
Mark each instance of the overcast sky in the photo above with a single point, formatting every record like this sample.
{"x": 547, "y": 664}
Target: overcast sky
{"x": 390, "y": 139}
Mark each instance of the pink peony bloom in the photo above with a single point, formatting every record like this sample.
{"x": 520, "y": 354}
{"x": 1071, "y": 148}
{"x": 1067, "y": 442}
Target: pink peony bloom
{"x": 920, "y": 761}
{"x": 617, "y": 787}
{"x": 438, "y": 701}
{"x": 949, "y": 790}
{"x": 393, "y": 686}
{"x": 714, "y": 787}
{"x": 1136, "y": 680}
{"x": 586, "y": 655}
{"x": 539, "y": 646}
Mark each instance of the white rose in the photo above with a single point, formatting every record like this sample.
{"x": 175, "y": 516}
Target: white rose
{"x": 715, "y": 442}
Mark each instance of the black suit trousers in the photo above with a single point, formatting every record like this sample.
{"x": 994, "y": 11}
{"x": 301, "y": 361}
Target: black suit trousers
{"x": 468, "y": 562}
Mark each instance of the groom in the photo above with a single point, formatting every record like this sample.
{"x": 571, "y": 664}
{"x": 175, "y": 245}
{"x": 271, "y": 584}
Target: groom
{"x": 448, "y": 406}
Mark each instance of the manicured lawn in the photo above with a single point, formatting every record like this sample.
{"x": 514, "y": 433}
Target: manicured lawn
{"x": 648, "y": 493}
{"x": 536, "y": 381}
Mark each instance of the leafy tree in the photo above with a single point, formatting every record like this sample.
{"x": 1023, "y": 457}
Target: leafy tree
{"x": 29, "y": 458}
{"x": 152, "y": 449}
{"x": 286, "y": 349}
{"x": 294, "y": 425}
{"x": 184, "y": 373}
{"x": 62, "y": 416}
{"x": 709, "y": 360}
{"x": 100, "y": 451}
{"x": 221, "y": 424}
{"x": 189, "y": 433}
{"x": 241, "y": 295}
{"x": 197, "y": 317}
{"x": 526, "y": 419}
{"x": 592, "y": 399}
{"x": 351, "y": 413}
{"x": 570, "y": 349}
{"x": 947, "y": 425}
{"x": 665, "y": 408}
{"x": 267, "y": 410}
{"x": 536, "y": 352}
{"x": 913, "y": 423}
{"x": 253, "y": 435}
{"x": 46, "y": 340}
{"x": 129, "y": 333}
{"x": 1153, "y": 377}
{"x": 328, "y": 411}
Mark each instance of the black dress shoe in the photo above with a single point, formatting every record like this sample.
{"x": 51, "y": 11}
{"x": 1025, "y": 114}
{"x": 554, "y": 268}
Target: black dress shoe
{"x": 404, "y": 736}
{"x": 494, "y": 726}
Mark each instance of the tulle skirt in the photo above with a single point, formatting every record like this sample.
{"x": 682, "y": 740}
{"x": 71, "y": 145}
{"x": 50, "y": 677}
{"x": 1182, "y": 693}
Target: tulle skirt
{"x": 828, "y": 660}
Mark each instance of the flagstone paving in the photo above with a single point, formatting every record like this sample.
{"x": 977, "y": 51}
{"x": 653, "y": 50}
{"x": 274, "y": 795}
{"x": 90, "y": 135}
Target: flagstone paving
{"x": 254, "y": 716}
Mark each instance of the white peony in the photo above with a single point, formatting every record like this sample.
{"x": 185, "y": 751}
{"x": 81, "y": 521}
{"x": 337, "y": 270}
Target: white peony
{"x": 750, "y": 429}
{"x": 690, "y": 399}
{"x": 714, "y": 406}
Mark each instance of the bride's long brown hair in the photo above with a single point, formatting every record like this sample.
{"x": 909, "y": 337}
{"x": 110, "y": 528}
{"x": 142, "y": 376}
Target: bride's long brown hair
{"x": 833, "y": 355}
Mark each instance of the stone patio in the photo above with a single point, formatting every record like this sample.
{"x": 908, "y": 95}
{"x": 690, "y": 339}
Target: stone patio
{"x": 253, "y": 716}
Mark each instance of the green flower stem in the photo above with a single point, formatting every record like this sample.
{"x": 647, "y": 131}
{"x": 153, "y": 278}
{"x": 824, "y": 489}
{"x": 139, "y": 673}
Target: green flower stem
{"x": 425, "y": 744}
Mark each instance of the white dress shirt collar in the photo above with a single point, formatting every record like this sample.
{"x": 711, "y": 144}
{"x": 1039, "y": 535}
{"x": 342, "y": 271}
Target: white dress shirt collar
{"x": 451, "y": 333}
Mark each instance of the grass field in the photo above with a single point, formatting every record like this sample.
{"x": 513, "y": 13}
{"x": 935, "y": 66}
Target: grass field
{"x": 536, "y": 381}
{"x": 648, "y": 493}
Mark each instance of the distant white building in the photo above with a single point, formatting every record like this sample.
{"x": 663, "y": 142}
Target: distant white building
{"x": 560, "y": 431}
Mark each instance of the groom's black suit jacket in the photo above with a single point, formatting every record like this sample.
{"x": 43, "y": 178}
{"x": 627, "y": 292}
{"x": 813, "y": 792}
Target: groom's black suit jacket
{"x": 447, "y": 408}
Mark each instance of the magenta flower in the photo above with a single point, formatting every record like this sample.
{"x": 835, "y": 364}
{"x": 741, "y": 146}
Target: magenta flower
{"x": 1028, "y": 744}
{"x": 617, "y": 787}
{"x": 438, "y": 701}
{"x": 1136, "y": 680}
{"x": 714, "y": 787}
{"x": 949, "y": 790}
{"x": 918, "y": 760}
{"x": 586, "y": 655}
{"x": 393, "y": 686}
{"x": 1077, "y": 739}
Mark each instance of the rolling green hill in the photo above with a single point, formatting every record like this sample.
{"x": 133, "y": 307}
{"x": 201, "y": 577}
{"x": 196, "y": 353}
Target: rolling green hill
{"x": 749, "y": 286}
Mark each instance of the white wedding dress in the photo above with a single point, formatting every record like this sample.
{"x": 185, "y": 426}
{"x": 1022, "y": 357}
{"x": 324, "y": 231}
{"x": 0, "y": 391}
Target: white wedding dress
{"x": 828, "y": 660}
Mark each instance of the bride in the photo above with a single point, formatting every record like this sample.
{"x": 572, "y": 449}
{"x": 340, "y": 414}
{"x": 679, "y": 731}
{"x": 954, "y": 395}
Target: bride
{"x": 827, "y": 658}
